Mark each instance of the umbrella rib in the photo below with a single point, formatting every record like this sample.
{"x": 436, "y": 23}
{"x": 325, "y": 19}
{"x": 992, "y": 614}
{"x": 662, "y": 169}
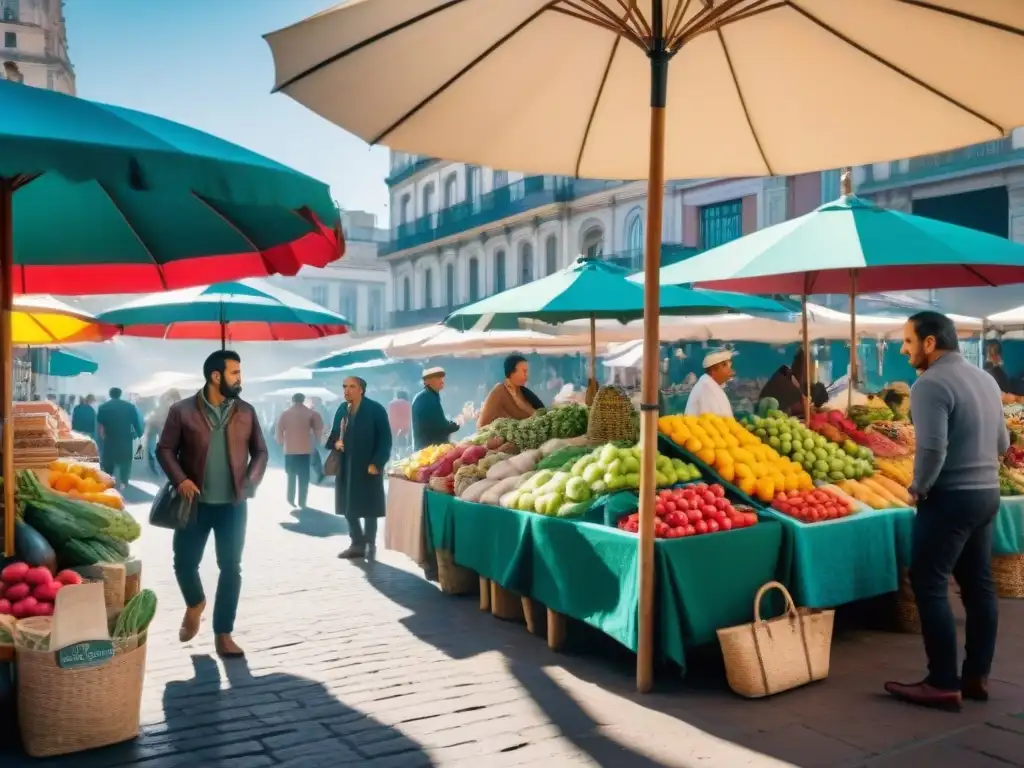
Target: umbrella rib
{"x": 135, "y": 232}
{"x": 743, "y": 103}
{"x": 888, "y": 64}
{"x": 43, "y": 328}
{"x": 365, "y": 43}
{"x": 458, "y": 75}
{"x": 924, "y": 5}
{"x": 597, "y": 101}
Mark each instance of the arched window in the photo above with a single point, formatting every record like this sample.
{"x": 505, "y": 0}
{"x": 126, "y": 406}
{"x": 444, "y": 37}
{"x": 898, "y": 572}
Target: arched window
{"x": 428, "y": 199}
{"x": 499, "y": 271}
{"x": 428, "y": 288}
{"x": 449, "y": 284}
{"x": 451, "y": 190}
{"x": 551, "y": 255}
{"x": 406, "y": 294}
{"x": 525, "y": 263}
{"x": 635, "y": 235}
{"x": 592, "y": 245}
{"x": 474, "y": 279}
{"x": 405, "y": 210}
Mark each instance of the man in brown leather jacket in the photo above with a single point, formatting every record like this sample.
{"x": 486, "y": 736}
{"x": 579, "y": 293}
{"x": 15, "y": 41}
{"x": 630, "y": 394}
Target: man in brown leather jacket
{"x": 212, "y": 448}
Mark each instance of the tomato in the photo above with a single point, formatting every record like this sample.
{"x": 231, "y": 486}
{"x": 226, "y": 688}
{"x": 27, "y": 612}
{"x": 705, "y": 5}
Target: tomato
{"x": 691, "y": 531}
{"x": 721, "y": 503}
{"x": 750, "y": 518}
{"x": 831, "y": 511}
{"x": 725, "y": 525}
{"x": 794, "y": 494}
{"x": 670, "y": 506}
{"x": 708, "y": 497}
{"x": 713, "y": 526}
{"x": 718, "y": 490}
{"x": 694, "y": 515}
{"x": 701, "y": 526}
{"x": 659, "y": 509}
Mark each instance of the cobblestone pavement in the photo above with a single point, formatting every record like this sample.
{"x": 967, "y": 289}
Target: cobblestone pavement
{"x": 369, "y": 665}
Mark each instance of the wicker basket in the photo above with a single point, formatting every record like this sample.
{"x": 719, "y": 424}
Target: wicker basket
{"x": 454, "y": 579}
{"x": 775, "y": 655}
{"x": 115, "y": 583}
{"x": 132, "y": 579}
{"x": 908, "y": 620}
{"x": 611, "y": 416}
{"x": 1008, "y": 575}
{"x": 504, "y": 604}
{"x": 61, "y": 711}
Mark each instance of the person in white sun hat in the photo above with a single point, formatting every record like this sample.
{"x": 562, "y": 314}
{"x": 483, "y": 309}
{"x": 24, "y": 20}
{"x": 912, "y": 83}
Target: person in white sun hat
{"x": 708, "y": 395}
{"x": 430, "y": 426}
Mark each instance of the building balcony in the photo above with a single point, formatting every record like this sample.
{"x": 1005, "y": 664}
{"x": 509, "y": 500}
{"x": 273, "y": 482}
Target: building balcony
{"x": 633, "y": 260}
{"x": 512, "y": 200}
{"x": 367, "y": 235}
{"x": 400, "y": 173}
{"x": 976, "y": 158}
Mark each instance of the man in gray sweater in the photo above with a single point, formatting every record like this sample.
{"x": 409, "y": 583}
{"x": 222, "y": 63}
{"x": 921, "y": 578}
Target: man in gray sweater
{"x": 961, "y": 437}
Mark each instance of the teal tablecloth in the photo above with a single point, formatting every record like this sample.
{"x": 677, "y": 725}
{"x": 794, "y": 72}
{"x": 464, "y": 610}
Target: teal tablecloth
{"x": 590, "y": 572}
{"x": 830, "y": 563}
{"x": 1007, "y": 534}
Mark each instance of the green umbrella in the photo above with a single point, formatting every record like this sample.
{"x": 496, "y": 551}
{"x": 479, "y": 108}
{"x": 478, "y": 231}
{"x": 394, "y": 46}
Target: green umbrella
{"x": 63, "y": 362}
{"x": 243, "y": 310}
{"x": 595, "y": 289}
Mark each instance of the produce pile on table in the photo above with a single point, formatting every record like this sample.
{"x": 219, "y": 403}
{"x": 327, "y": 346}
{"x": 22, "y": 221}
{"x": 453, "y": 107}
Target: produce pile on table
{"x": 692, "y": 510}
{"x": 58, "y": 529}
{"x": 838, "y": 428}
{"x": 84, "y": 481}
{"x": 1014, "y": 415}
{"x": 875, "y": 409}
{"x": 736, "y": 454}
{"x": 814, "y": 506}
{"x": 560, "y": 422}
{"x": 820, "y": 457}
{"x": 1011, "y": 472}
{"x": 31, "y": 591}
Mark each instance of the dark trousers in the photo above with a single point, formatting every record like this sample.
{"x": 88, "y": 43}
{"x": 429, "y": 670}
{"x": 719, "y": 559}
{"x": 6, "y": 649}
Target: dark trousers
{"x": 227, "y": 523}
{"x": 297, "y": 466}
{"x": 953, "y": 536}
{"x": 121, "y": 470}
{"x": 363, "y": 531}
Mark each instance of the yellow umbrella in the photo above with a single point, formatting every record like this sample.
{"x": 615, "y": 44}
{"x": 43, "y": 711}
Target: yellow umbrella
{"x": 585, "y": 88}
{"x": 42, "y": 320}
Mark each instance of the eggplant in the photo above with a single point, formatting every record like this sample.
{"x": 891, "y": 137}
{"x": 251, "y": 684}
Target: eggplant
{"x": 31, "y": 547}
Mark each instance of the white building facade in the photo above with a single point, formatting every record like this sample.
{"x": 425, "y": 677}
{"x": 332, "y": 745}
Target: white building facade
{"x": 33, "y": 37}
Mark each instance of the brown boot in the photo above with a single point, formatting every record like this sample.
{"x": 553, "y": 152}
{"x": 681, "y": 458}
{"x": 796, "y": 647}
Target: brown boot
{"x": 191, "y": 621}
{"x": 974, "y": 688}
{"x": 227, "y": 648}
{"x": 926, "y": 695}
{"x": 352, "y": 553}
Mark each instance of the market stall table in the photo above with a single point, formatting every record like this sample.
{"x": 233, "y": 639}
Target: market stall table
{"x": 403, "y": 519}
{"x": 588, "y": 571}
{"x": 1007, "y": 532}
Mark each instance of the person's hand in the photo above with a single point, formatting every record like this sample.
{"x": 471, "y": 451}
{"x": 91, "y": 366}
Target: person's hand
{"x": 188, "y": 489}
{"x": 373, "y": 470}
{"x": 339, "y": 445}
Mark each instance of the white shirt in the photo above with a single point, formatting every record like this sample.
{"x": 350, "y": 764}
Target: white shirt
{"x": 707, "y": 396}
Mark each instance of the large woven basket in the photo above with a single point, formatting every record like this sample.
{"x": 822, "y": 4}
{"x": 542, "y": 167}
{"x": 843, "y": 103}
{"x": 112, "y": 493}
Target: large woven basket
{"x": 770, "y": 656}
{"x": 611, "y": 416}
{"x": 454, "y": 579}
{"x": 1008, "y": 575}
{"x": 61, "y": 711}
{"x": 908, "y": 620}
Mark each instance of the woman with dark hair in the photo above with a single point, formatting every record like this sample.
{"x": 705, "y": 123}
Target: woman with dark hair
{"x": 510, "y": 398}
{"x": 788, "y": 385}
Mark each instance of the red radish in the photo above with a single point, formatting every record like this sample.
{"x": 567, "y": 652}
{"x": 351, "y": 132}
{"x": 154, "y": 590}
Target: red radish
{"x": 5, "y": 608}
{"x": 24, "y": 608}
{"x": 46, "y": 593}
{"x": 16, "y": 592}
{"x": 14, "y": 573}
{"x": 68, "y": 578}
{"x": 43, "y": 609}
{"x": 38, "y": 576}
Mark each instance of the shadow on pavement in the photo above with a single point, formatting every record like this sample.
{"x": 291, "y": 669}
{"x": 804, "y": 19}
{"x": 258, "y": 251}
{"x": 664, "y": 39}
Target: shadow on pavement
{"x": 316, "y": 523}
{"x": 140, "y": 492}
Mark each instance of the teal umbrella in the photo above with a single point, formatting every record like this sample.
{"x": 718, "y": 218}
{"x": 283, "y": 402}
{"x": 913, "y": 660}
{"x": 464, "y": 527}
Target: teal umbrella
{"x": 595, "y": 289}
{"x": 64, "y": 362}
{"x": 243, "y": 310}
{"x": 345, "y": 358}
{"x": 853, "y": 244}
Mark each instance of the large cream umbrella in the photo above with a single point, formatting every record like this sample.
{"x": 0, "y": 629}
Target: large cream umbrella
{"x": 757, "y": 87}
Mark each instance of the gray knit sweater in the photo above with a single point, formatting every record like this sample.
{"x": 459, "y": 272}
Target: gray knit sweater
{"x": 960, "y": 429}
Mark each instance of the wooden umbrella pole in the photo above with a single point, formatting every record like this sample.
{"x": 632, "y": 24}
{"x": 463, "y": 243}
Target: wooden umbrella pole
{"x": 6, "y": 349}
{"x": 807, "y": 354}
{"x": 659, "y": 58}
{"x": 592, "y": 384}
{"x": 853, "y": 337}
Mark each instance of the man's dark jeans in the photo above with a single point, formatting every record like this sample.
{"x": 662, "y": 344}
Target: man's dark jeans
{"x": 227, "y": 523}
{"x": 297, "y": 466}
{"x": 953, "y": 536}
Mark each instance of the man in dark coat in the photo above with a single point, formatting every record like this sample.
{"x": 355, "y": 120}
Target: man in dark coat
{"x": 361, "y": 435}
{"x": 83, "y": 418}
{"x": 429, "y": 424}
{"x": 119, "y": 425}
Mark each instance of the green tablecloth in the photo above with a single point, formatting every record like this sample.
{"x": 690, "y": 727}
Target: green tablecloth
{"x": 1007, "y": 534}
{"x": 830, "y": 563}
{"x": 589, "y": 571}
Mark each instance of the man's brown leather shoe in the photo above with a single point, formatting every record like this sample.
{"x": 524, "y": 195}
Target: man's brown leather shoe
{"x": 191, "y": 621}
{"x": 974, "y": 688}
{"x": 227, "y": 648}
{"x": 926, "y": 695}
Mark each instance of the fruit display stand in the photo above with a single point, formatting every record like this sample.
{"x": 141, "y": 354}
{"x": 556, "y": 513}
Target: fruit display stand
{"x": 588, "y": 571}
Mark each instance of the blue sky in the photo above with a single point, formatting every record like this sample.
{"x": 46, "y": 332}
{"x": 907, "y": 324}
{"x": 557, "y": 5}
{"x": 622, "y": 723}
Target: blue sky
{"x": 204, "y": 63}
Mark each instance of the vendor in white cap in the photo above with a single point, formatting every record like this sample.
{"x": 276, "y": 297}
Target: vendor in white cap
{"x": 429, "y": 424}
{"x": 708, "y": 395}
